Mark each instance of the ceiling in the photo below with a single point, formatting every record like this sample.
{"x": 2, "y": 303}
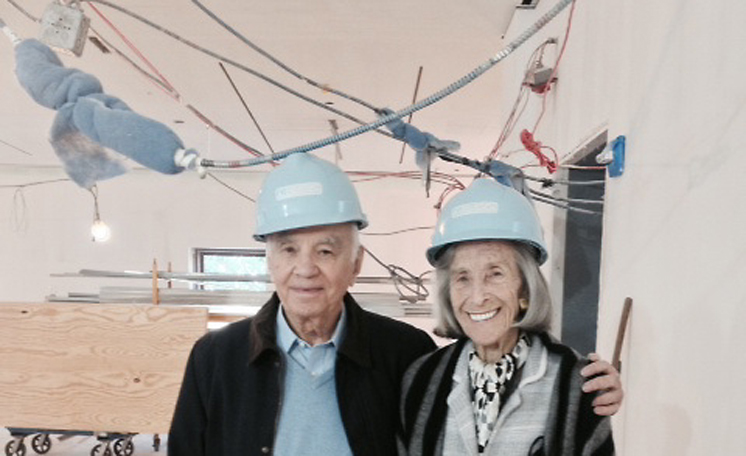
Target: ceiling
{"x": 370, "y": 50}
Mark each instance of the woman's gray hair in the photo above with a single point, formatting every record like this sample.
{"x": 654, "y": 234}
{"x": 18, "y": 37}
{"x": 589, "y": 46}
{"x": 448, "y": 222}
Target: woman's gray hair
{"x": 534, "y": 288}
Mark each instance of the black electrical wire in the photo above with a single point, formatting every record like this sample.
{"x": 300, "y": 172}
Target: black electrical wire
{"x": 23, "y": 11}
{"x": 568, "y": 200}
{"x": 16, "y": 148}
{"x": 547, "y": 182}
{"x": 32, "y": 184}
{"x": 277, "y": 62}
{"x": 405, "y": 230}
{"x": 551, "y": 202}
{"x": 246, "y": 106}
{"x": 235, "y": 64}
{"x": 404, "y": 279}
{"x": 233, "y": 189}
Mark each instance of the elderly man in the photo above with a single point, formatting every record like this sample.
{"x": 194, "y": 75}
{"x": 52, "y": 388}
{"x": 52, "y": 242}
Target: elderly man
{"x": 312, "y": 373}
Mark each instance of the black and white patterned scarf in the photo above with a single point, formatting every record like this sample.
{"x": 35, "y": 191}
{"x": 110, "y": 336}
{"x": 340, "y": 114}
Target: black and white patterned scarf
{"x": 488, "y": 382}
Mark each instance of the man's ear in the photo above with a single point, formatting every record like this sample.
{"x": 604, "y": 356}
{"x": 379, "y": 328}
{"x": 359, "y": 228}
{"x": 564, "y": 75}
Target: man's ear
{"x": 358, "y": 264}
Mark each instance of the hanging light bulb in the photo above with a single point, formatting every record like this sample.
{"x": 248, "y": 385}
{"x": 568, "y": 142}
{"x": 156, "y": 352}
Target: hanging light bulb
{"x": 100, "y": 231}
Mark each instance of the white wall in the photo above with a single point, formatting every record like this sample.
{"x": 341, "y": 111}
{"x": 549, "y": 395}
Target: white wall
{"x": 163, "y": 218}
{"x": 667, "y": 75}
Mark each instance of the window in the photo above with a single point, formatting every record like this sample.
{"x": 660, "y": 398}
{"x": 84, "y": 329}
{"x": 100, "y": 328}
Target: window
{"x": 249, "y": 262}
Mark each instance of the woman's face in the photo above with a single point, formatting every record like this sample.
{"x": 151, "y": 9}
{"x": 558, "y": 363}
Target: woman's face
{"x": 485, "y": 285}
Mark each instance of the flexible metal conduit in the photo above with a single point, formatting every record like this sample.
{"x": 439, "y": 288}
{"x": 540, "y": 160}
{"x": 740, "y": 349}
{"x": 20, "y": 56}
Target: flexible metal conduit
{"x": 506, "y": 51}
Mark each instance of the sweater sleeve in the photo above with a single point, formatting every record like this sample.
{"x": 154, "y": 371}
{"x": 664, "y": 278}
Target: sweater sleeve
{"x": 186, "y": 437}
{"x": 592, "y": 432}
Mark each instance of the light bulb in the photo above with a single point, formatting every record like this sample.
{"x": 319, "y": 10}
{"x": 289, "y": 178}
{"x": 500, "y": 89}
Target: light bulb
{"x": 100, "y": 231}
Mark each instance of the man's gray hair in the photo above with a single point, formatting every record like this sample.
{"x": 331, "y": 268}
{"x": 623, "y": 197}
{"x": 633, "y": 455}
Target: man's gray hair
{"x": 534, "y": 288}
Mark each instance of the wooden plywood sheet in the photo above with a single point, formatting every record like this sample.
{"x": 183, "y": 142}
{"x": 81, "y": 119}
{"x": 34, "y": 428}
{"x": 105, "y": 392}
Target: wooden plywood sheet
{"x": 94, "y": 367}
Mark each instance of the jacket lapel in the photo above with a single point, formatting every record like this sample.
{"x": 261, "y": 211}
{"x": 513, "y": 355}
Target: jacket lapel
{"x": 459, "y": 404}
{"x": 535, "y": 370}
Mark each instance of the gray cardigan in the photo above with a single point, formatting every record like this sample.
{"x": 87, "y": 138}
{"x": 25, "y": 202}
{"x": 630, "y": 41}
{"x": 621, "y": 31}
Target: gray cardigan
{"x": 546, "y": 414}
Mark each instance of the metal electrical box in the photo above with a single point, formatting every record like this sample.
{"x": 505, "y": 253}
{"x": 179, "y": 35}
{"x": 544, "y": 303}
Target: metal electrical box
{"x": 64, "y": 28}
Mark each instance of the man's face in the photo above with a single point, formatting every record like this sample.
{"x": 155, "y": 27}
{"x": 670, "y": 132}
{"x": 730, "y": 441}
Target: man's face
{"x": 312, "y": 268}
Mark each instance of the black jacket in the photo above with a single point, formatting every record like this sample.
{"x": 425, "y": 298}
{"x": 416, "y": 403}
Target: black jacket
{"x": 230, "y": 398}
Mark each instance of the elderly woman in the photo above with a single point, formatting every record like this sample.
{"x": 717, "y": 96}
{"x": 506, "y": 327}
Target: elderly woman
{"x": 505, "y": 387}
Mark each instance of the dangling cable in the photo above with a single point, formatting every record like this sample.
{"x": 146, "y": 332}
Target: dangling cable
{"x": 404, "y": 279}
{"x": 567, "y": 200}
{"x": 465, "y": 80}
{"x": 23, "y": 11}
{"x": 235, "y": 64}
{"x": 231, "y": 188}
{"x": 277, "y": 62}
{"x": 246, "y": 107}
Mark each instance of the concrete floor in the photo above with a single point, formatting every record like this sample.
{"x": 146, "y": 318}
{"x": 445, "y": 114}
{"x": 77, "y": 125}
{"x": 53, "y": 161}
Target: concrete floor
{"x": 82, "y": 445}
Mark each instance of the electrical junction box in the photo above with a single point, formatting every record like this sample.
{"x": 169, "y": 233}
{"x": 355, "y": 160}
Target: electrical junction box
{"x": 64, "y": 28}
{"x": 538, "y": 78}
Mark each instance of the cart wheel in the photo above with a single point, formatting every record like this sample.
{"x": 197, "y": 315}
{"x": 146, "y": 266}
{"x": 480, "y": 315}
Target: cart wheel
{"x": 41, "y": 443}
{"x": 101, "y": 450}
{"x": 15, "y": 448}
{"x": 124, "y": 447}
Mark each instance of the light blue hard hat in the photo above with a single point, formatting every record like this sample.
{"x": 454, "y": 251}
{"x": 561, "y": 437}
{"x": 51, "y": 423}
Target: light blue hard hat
{"x": 487, "y": 210}
{"x": 306, "y": 191}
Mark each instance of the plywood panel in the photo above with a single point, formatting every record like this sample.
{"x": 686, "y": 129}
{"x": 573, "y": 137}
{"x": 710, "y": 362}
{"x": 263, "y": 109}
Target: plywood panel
{"x": 94, "y": 367}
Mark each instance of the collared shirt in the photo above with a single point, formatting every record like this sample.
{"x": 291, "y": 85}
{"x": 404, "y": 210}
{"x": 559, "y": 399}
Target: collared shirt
{"x": 316, "y": 359}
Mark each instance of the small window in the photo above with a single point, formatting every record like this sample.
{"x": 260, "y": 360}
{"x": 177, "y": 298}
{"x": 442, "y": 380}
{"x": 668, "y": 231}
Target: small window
{"x": 249, "y": 262}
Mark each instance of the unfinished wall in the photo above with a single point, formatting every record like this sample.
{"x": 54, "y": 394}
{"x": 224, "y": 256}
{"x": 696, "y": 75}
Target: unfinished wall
{"x": 665, "y": 74}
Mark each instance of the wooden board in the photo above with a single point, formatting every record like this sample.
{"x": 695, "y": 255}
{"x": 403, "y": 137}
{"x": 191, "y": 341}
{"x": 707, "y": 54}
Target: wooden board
{"x": 94, "y": 367}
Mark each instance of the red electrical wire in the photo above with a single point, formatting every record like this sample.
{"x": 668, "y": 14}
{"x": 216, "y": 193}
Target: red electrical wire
{"x": 171, "y": 90}
{"x": 134, "y": 49}
{"x": 534, "y": 146}
{"x": 556, "y": 66}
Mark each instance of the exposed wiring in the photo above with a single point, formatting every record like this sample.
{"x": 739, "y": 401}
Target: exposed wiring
{"x": 324, "y": 87}
{"x": 409, "y": 119}
{"x": 20, "y": 221}
{"x": 134, "y": 49}
{"x": 404, "y": 279}
{"x": 583, "y": 167}
{"x": 441, "y": 178}
{"x": 517, "y": 42}
{"x": 234, "y": 64}
{"x": 209, "y": 123}
{"x": 155, "y": 80}
{"x": 553, "y": 75}
{"x": 24, "y": 12}
{"x": 246, "y": 107}
{"x": 164, "y": 85}
{"x": 535, "y": 147}
{"x": 405, "y": 230}
{"x": 231, "y": 188}
{"x": 36, "y": 183}
{"x": 15, "y": 147}
{"x": 552, "y": 202}
{"x": 521, "y": 101}
{"x": 384, "y": 119}
{"x": 568, "y": 200}
{"x": 546, "y": 182}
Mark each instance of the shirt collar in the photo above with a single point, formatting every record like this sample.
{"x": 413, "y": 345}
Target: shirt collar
{"x": 287, "y": 339}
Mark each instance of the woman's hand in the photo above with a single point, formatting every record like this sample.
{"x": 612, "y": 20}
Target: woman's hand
{"x": 604, "y": 379}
